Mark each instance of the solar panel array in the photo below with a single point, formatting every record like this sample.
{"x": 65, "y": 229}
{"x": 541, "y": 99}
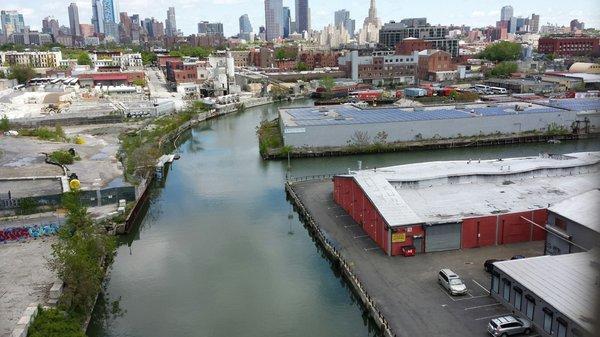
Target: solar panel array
{"x": 575, "y": 104}
{"x": 346, "y": 114}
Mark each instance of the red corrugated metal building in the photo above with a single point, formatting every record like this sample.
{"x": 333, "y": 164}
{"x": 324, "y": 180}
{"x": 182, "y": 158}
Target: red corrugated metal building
{"x": 474, "y": 232}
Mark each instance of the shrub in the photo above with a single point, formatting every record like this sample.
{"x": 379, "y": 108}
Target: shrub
{"x": 62, "y": 157}
{"x": 54, "y": 323}
{"x": 4, "y": 124}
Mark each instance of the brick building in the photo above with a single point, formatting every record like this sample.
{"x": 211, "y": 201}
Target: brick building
{"x": 182, "y": 72}
{"x": 436, "y": 65}
{"x": 319, "y": 59}
{"x": 569, "y": 45}
{"x": 411, "y": 44}
{"x": 380, "y": 69}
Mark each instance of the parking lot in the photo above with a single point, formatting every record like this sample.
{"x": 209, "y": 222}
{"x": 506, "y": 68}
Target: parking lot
{"x": 406, "y": 288}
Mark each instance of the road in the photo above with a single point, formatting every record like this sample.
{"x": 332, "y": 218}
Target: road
{"x": 157, "y": 83}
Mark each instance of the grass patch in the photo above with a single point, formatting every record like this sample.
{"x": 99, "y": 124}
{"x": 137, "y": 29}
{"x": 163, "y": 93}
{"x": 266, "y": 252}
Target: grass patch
{"x": 269, "y": 137}
{"x": 62, "y": 157}
{"x": 44, "y": 133}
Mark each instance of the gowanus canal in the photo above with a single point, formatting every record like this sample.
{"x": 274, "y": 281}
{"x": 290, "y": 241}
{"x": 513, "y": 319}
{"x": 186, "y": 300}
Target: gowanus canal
{"x": 221, "y": 252}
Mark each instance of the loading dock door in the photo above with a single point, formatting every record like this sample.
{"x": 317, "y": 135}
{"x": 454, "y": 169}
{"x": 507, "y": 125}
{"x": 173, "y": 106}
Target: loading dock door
{"x": 442, "y": 237}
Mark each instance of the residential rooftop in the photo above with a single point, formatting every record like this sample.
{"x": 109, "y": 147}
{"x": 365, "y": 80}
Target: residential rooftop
{"x": 567, "y": 282}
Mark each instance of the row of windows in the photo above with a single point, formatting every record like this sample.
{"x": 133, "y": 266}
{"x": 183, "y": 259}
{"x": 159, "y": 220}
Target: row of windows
{"x": 529, "y": 306}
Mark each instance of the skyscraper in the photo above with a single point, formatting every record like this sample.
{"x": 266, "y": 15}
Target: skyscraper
{"x": 210, "y": 28}
{"x": 287, "y": 21}
{"x": 170, "y": 23}
{"x": 245, "y": 25}
{"x": 50, "y": 26}
{"x": 11, "y": 22}
{"x": 97, "y": 16}
{"x": 302, "y": 15}
{"x": 74, "y": 19}
{"x": 342, "y": 19}
{"x": 534, "y": 23}
{"x": 372, "y": 18}
{"x": 506, "y": 13}
{"x": 273, "y": 19}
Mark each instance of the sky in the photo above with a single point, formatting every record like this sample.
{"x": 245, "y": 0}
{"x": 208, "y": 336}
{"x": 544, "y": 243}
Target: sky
{"x": 474, "y": 13}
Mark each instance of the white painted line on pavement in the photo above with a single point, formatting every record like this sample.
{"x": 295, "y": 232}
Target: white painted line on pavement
{"x": 361, "y": 236}
{"x": 350, "y": 226}
{"x": 488, "y": 317}
{"x": 483, "y": 306}
{"x": 482, "y": 287}
{"x": 471, "y": 298}
{"x": 372, "y": 248}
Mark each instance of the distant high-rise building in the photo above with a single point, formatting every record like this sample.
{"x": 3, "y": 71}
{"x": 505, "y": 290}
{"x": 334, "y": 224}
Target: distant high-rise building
{"x": 302, "y": 15}
{"x": 86, "y": 30}
{"x": 506, "y": 13}
{"x": 104, "y": 19}
{"x": 97, "y": 16}
{"x": 287, "y": 21}
{"x": 74, "y": 19}
{"x": 245, "y": 25}
{"x": 342, "y": 19}
{"x": 534, "y": 23}
{"x": 210, "y": 28}
{"x": 50, "y": 26}
{"x": 372, "y": 18}
{"x": 576, "y": 25}
{"x": 273, "y": 19}
{"x": 11, "y": 22}
{"x": 170, "y": 23}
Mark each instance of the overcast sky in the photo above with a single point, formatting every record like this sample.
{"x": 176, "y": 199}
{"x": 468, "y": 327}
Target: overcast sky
{"x": 189, "y": 12}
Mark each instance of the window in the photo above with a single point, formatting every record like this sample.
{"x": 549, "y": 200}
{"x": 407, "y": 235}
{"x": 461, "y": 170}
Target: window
{"x": 530, "y": 306}
{"x": 506, "y": 290}
{"x": 562, "y": 328}
{"x": 518, "y": 298}
{"x": 496, "y": 283}
{"x": 548, "y": 317}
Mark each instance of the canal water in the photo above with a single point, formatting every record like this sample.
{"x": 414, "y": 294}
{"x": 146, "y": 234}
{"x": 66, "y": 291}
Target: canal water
{"x": 221, "y": 253}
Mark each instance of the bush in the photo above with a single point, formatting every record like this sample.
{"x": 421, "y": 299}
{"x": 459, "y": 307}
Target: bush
{"x": 21, "y": 73}
{"x": 84, "y": 59}
{"x": 54, "y": 323}
{"x": 139, "y": 82}
{"x": 62, "y": 157}
{"x": 45, "y": 133}
{"x": 503, "y": 69}
{"x": 4, "y": 124}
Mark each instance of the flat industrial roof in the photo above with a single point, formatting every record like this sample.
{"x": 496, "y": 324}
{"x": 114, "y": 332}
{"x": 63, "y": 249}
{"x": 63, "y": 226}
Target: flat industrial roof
{"x": 449, "y": 191}
{"x": 583, "y": 209}
{"x": 573, "y": 104}
{"x": 350, "y": 114}
{"x": 566, "y": 282}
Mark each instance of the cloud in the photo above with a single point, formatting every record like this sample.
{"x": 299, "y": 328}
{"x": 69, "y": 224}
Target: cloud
{"x": 477, "y": 14}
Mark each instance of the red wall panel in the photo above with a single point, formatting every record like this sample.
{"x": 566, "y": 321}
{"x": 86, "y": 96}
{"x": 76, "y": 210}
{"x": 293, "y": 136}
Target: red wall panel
{"x": 478, "y": 232}
{"x": 513, "y": 229}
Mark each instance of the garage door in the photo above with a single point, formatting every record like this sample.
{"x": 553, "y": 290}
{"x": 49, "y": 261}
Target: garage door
{"x": 442, "y": 237}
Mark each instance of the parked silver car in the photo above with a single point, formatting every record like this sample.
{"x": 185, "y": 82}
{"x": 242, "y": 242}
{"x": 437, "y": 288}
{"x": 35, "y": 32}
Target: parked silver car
{"x": 509, "y": 325}
{"x": 452, "y": 282}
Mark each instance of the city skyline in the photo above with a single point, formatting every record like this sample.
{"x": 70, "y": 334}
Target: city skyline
{"x": 471, "y": 13}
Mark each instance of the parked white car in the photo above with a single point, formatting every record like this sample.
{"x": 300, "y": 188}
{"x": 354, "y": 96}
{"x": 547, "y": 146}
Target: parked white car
{"x": 452, "y": 282}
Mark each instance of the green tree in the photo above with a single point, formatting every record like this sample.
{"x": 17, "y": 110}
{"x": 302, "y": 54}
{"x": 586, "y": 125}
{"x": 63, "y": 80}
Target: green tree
{"x": 4, "y": 124}
{"x": 139, "y": 82}
{"x": 2, "y": 74}
{"x": 148, "y": 57}
{"x": 21, "y": 73}
{"x": 301, "y": 66}
{"x": 502, "y": 51}
{"x": 84, "y": 59}
{"x": 328, "y": 83}
{"x": 503, "y": 69}
{"x": 79, "y": 256}
{"x": 280, "y": 54}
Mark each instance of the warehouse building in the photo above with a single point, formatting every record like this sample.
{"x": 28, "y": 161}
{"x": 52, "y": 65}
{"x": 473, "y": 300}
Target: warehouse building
{"x": 344, "y": 125}
{"x": 574, "y": 224}
{"x": 449, "y": 205}
{"x": 558, "y": 294}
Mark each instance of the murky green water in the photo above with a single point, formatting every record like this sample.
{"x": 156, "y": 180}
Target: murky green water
{"x": 214, "y": 257}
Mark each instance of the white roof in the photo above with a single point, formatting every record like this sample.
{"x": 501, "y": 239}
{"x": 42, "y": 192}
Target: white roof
{"x": 450, "y": 191}
{"x": 566, "y": 282}
{"x": 583, "y": 209}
